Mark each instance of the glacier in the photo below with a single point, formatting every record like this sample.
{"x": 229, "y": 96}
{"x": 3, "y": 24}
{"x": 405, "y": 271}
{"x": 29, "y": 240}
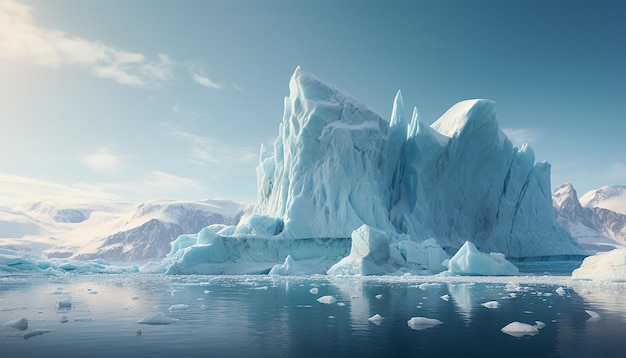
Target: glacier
{"x": 410, "y": 193}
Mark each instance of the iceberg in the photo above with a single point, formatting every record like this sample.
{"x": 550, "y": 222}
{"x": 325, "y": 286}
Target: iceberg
{"x": 604, "y": 266}
{"x": 395, "y": 194}
{"x": 469, "y": 261}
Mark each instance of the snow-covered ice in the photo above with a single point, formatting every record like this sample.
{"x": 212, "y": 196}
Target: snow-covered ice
{"x": 604, "y": 266}
{"x": 420, "y": 323}
{"x": 469, "y": 261}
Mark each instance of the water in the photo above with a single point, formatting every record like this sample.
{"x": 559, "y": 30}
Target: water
{"x": 261, "y": 316}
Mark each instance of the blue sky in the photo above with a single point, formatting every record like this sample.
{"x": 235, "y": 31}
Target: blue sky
{"x": 132, "y": 100}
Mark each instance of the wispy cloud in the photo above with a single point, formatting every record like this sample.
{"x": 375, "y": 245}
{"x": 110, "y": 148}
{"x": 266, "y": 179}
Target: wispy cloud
{"x": 206, "y": 82}
{"x": 207, "y": 150}
{"x": 16, "y": 189}
{"x": 103, "y": 161}
{"x": 159, "y": 179}
{"x": 22, "y": 39}
{"x": 520, "y": 136}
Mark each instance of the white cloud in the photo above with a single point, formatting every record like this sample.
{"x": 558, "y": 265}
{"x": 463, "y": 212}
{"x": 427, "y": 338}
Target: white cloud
{"x": 207, "y": 150}
{"x": 520, "y": 136}
{"x": 15, "y": 189}
{"x": 22, "y": 39}
{"x": 103, "y": 161}
{"x": 205, "y": 81}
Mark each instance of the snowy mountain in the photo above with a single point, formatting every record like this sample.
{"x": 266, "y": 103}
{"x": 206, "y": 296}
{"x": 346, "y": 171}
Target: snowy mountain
{"x": 337, "y": 165}
{"x": 611, "y": 197}
{"x": 595, "y": 228}
{"x": 115, "y": 231}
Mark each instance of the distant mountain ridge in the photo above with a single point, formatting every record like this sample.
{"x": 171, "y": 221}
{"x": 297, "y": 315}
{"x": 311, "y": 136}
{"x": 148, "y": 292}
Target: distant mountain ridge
{"x": 594, "y": 226}
{"x": 114, "y": 231}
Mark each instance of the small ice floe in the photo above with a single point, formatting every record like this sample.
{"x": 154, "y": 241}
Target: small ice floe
{"x": 376, "y": 319}
{"x": 419, "y": 323}
{"x": 512, "y": 287}
{"x": 35, "y": 332}
{"x": 528, "y": 312}
{"x": 341, "y": 304}
{"x": 206, "y": 292}
{"x": 560, "y": 291}
{"x": 314, "y": 291}
{"x": 445, "y": 297}
{"x": 426, "y": 285}
{"x": 64, "y": 319}
{"x": 327, "y": 300}
{"x": 156, "y": 318}
{"x": 379, "y": 297}
{"x": 491, "y": 304}
{"x": 178, "y": 307}
{"x": 261, "y": 288}
{"x": 82, "y": 319}
{"x": 18, "y": 323}
{"x": 518, "y": 329}
{"x": 594, "y": 316}
{"x": 64, "y": 302}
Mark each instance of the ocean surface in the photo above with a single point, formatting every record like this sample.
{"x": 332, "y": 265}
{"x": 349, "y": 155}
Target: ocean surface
{"x": 95, "y": 315}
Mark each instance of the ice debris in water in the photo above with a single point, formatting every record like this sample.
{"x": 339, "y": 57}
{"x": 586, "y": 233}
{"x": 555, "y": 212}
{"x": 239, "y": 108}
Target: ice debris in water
{"x": 594, "y": 315}
{"x": 491, "y": 304}
{"x": 156, "y": 318}
{"x": 419, "y": 323}
{"x": 328, "y": 300}
{"x": 376, "y": 319}
{"x": 603, "y": 266}
{"x": 469, "y": 261}
{"x": 314, "y": 291}
{"x": 65, "y": 301}
{"x": 36, "y": 332}
{"x": 178, "y": 307}
{"x": 560, "y": 291}
{"x": 519, "y": 329}
{"x": 379, "y": 297}
{"x": 445, "y": 297}
{"x": 64, "y": 319}
{"x": 18, "y": 323}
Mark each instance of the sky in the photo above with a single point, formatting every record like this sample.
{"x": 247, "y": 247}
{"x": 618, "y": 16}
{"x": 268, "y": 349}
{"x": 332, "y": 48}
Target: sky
{"x": 143, "y": 99}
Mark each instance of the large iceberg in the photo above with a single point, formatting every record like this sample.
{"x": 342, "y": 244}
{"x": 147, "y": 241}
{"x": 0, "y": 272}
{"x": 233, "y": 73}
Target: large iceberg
{"x": 414, "y": 189}
{"x": 603, "y": 266}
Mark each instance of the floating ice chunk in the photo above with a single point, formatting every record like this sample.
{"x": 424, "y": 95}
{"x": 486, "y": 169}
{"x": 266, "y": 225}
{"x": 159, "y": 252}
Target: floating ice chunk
{"x": 65, "y": 301}
{"x": 18, "y": 323}
{"x": 314, "y": 291}
{"x": 594, "y": 315}
{"x": 341, "y": 304}
{"x": 178, "y": 307}
{"x": 603, "y": 266}
{"x": 539, "y": 324}
{"x": 419, "y": 323}
{"x": 469, "y": 261}
{"x": 328, "y": 300}
{"x": 560, "y": 291}
{"x": 376, "y": 319}
{"x": 379, "y": 297}
{"x": 513, "y": 286}
{"x": 518, "y": 329}
{"x": 156, "y": 318}
{"x": 426, "y": 285}
{"x": 369, "y": 254}
{"x": 491, "y": 304}
{"x": 445, "y": 297}
{"x": 36, "y": 332}
{"x": 289, "y": 267}
{"x": 64, "y": 319}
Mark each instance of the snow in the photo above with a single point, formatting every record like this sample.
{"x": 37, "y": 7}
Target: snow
{"x": 420, "y": 323}
{"x": 156, "y": 318}
{"x": 18, "y": 323}
{"x": 327, "y": 300}
{"x": 612, "y": 197}
{"x": 469, "y": 261}
{"x": 518, "y": 329}
{"x": 604, "y": 266}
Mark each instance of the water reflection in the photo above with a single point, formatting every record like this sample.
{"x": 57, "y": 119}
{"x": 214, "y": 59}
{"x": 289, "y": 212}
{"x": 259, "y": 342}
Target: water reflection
{"x": 603, "y": 296}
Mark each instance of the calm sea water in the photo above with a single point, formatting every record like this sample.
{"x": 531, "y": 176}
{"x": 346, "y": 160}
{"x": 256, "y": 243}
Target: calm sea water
{"x": 261, "y": 316}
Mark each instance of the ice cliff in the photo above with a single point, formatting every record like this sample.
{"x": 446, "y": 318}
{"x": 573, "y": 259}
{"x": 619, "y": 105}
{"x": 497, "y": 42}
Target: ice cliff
{"x": 337, "y": 165}
{"x": 400, "y": 189}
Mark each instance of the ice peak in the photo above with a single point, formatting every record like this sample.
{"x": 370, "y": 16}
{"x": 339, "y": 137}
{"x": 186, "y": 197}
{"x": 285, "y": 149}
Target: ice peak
{"x": 397, "y": 113}
{"x": 479, "y": 112}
